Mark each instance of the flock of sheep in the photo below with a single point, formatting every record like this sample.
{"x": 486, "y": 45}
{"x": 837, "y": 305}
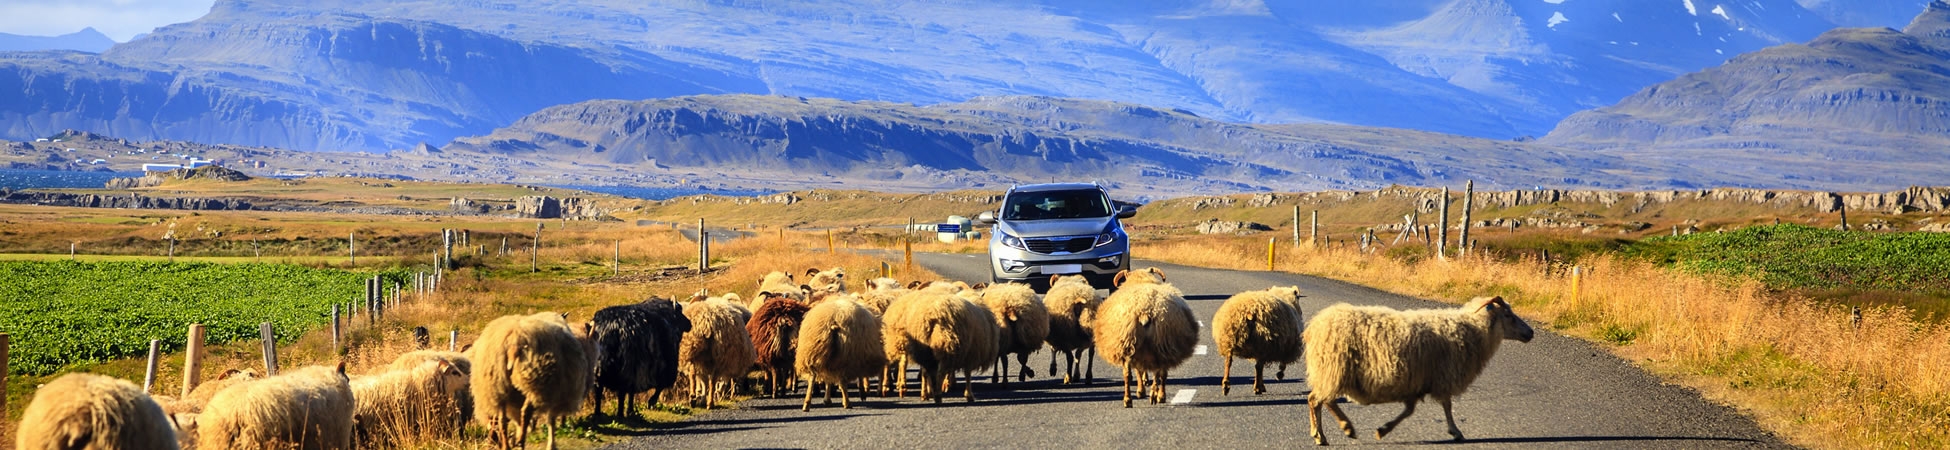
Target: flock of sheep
{"x": 530, "y": 370}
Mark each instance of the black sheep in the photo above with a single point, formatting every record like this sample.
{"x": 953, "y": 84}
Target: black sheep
{"x": 640, "y": 349}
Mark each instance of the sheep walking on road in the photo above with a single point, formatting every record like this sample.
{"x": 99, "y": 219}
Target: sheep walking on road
{"x": 774, "y": 330}
{"x": 1147, "y": 328}
{"x": 1263, "y": 326}
{"x": 91, "y": 412}
{"x": 716, "y": 351}
{"x": 639, "y": 350}
{"x": 1023, "y": 325}
{"x": 1072, "y": 305}
{"x": 1379, "y": 355}
{"x": 838, "y": 342}
{"x": 943, "y": 333}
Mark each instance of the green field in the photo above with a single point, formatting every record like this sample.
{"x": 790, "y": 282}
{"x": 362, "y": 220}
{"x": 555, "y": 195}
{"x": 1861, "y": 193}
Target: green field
{"x": 64, "y": 313}
{"x": 1854, "y": 267}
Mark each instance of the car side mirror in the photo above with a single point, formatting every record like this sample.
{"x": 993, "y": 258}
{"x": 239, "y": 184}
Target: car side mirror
{"x": 986, "y": 217}
{"x": 1126, "y": 212}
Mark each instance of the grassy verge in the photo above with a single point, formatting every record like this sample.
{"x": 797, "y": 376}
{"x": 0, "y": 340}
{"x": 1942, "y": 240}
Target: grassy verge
{"x": 573, "y": 272}
{"x": 1806, "y": 369}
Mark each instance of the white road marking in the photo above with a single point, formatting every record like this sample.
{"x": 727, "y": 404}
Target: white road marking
{"x": 1199, "y": 350}
{"x": 1183, "y": 396}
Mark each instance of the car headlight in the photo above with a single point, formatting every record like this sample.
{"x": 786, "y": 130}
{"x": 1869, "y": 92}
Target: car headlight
{"x": 1013, "y": 242}
{"x": 1109, "y": 236}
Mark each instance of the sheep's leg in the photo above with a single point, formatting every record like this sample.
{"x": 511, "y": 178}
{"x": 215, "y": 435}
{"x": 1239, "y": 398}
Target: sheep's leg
{"x": 527, "y": 423}
{"x": 1313, "y": 418}
{"x": 1089, "y": 371}
{"x": 1259, "y": 377}
{"x": 1408, "y": 407}
{"x": 807, "y": 406}
{"x": 551, "y": 435}
{"x": 841, "y": 385}
{"x": 1282, "y": 372}
{"x": 1225, "y": 381}
{"x": 863, "y": 389}
{"x": 968, "y": 385}
{"x": 1158, "y": 396}
{"x": 1052, "y": 364}
{"x": 1347, "y": 427}
{"x": 1001, "y": 366}
{"x": 1450, "y": 416}
{"x": 827, "y": 390}
{"x": 1022, "y": 360}
{"x": 1127, "y": 386}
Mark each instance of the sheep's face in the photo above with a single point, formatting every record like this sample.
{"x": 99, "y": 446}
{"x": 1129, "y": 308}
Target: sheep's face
{"x": 1056, "y": 280}
{"x": 1151, "y": 275}
{"x": 884, "y": 284}
{"x": 1501, "y": 317}
{"x": 830, "y": 280}
{"x": 1290, "y": 294}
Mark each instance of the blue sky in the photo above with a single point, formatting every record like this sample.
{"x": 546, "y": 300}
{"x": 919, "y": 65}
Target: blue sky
{"x": 119, "y": 19}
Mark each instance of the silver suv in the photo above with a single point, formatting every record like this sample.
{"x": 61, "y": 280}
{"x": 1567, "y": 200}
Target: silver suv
{"x": 1058, "y": 229}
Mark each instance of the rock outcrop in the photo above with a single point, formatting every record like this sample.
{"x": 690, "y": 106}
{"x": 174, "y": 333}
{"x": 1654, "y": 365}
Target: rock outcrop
{"x": 573, "y": 208}
{"x": 1216, "y": 226}
{"x": 129, "y": 201}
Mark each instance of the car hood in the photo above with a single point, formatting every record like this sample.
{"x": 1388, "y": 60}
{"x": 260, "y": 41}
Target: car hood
{"x": 1055, "y": 227}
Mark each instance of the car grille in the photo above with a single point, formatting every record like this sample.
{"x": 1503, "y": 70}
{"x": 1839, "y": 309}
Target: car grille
{"x": 1061, "y": 244}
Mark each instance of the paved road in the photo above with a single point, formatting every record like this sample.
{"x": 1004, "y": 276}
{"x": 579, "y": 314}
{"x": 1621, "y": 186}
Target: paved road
{"x": 1552, "y": 392}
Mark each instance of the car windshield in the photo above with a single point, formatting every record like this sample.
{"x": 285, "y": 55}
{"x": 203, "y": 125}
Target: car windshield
{"x": 1077, "y": 204}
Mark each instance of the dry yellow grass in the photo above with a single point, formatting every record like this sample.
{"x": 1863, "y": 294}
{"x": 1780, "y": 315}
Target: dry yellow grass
{"x": 1806, "y": 370}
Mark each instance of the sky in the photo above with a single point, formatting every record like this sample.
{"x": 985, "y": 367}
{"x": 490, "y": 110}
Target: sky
{"x": 119, "y": 19}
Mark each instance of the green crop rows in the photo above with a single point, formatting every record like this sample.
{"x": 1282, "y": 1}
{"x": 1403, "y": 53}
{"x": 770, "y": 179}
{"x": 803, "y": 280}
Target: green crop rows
{"x": 62, "y": 313}
{"x": 1795, "y": 256}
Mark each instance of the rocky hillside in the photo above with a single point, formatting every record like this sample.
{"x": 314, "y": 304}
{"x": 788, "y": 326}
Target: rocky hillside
{"x": 369, "y": 75}
{"x": 1855, "y": 105}
{"x": 1003, "y": 140}
{"x": 86, "y": 40}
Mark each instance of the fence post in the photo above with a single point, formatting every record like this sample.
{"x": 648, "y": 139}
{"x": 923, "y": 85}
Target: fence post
{"x": 1442, "y": 228}
{"x": 907, "y": 256}
{"x": 5, "y": 342}
{"x": 1296, "y": 225}
{"x": 335, "y": 329}
{"x": 1269, "y": 252}
{"x": 829, "y": 242}
{"x": 172, "y": 249}
{"x": 535, "y": 250}
{"x": 453, "y": 340}
{"x": 351, "y": 252}
{"x": 703, "y": 251}
{"x": 270, "y": 339}
{"x": 1844, "y": 211}
{"x": 193, "y": 359}
{"x": 149, "y": 373}
{"x": 616, "y": 261}
{"x": 504, "y": 246}
{"x": 256, "y": 256}
{"x": 71, "y": 248}
{"x": 1464, "y": 245}
{"x": 1314, "y": 238}
{"x": 1577, "y": 283}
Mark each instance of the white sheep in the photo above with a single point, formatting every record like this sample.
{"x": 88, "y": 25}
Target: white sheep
{"x": 718, "y": 349}
{"x": 838, "y": 341}
{"x": 1147, "y": 328}
{"x": 1072, "y": 304}
{"x": 92, "y": 412}
{"x": 1263, "y": 326}
{"x": 1374, "y": 355}
{"x": 527, "y": 366}
{"x": 423, "y": 403}
{"x": 943, "y": 333}
{"x": 1023, "y": 322}
{"x": 306, "y": 408}
{"x": 829, "y": 280}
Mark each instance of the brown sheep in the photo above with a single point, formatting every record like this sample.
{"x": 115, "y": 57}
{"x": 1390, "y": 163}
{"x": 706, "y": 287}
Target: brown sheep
{"x": 1147, "y": 328}
{"x": 839, "y": 341}
{"x": 307, "y": 408}
{"x": 1263, "y": 326}
{"x": 1072, "y": 304}
{"x": 91, "y": 412}
{"x": 774, "y": 329}
{"x": 945, "y": 333}
{"x": 1023, "y": 322}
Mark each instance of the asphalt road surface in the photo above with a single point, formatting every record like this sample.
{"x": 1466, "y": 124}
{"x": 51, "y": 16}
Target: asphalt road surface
{"x": 1553, "y": 392}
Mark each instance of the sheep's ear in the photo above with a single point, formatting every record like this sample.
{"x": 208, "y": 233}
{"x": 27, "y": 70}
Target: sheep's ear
{"x": 979, "y": 286}
{"x": 1053, "y": 278}
{"x": 229, "y": 373}
{"x": 1481, "y": 302}
{"x": 805, "y": 289}
{"x": 1118, "y": 281}
{"x": 812, "y": 272}
{"x": 1157, "y": 271}
{"x": 341, "y": 367}
{"x": 916, "y": 284}
{"x": 465, "y": 348}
